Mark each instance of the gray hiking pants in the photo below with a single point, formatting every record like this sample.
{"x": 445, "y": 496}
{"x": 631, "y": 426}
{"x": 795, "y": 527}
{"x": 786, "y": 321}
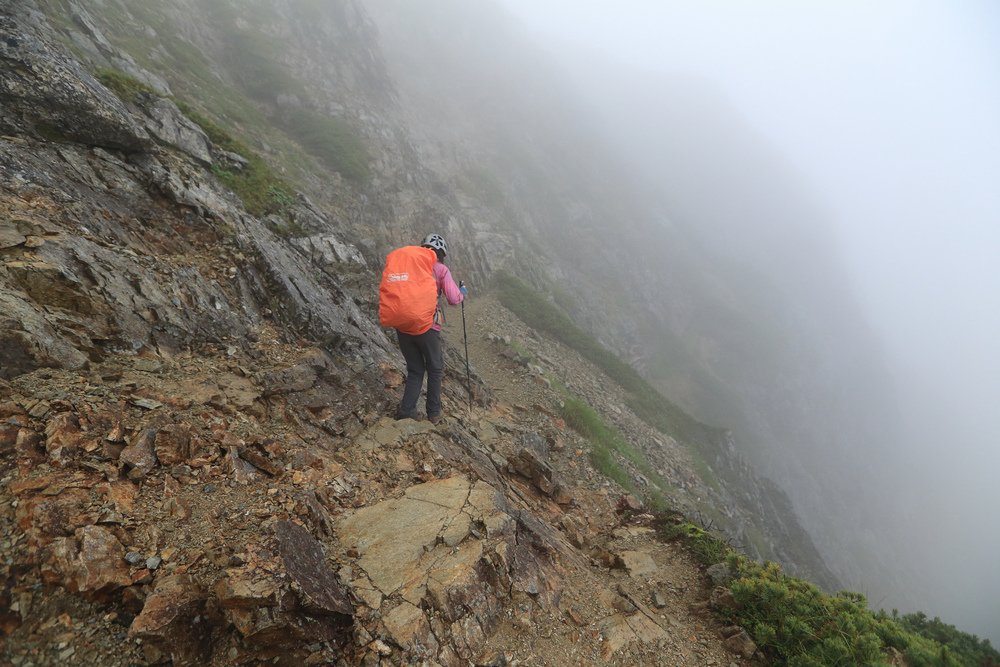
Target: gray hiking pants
{"x": 422, "y": 354}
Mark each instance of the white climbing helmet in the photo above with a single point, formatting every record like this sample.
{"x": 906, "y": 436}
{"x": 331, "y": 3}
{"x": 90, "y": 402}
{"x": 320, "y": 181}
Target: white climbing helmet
{"x": 436, "y": 242}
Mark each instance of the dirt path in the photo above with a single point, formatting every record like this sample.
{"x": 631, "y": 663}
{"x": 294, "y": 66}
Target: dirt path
{"x": 651, "y": 612}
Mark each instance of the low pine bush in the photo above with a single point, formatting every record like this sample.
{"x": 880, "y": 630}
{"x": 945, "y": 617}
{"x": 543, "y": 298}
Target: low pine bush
{"x": 795, "y": 623}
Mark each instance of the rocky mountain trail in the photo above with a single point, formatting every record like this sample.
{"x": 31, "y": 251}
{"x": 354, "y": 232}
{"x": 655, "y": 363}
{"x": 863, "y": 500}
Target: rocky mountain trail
{"x": 652, "y": 600}
{"x": 523, "y": 375}
{"x": 235, "y": 505}
{"x": 196, "y": 462}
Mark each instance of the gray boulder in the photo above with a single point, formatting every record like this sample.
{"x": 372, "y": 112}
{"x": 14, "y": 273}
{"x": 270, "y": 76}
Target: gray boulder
{"x": 720, "y": 574}
{"x": 166, "y": 122}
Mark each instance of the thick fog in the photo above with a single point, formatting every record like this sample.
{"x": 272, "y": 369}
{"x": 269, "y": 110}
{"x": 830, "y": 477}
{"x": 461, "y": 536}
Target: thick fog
{"x": 885, "y": 118}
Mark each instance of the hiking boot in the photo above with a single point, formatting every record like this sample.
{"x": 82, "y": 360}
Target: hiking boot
{"x": 400, "y": 415}
{"x": 434, "y": 419}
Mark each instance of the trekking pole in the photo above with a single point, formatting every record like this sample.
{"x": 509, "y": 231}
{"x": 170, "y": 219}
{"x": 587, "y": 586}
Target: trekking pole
{"x": 465, "y": 334}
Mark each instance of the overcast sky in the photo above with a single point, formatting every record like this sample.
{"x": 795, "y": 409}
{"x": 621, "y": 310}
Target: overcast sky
{"x": 891, "y": 112}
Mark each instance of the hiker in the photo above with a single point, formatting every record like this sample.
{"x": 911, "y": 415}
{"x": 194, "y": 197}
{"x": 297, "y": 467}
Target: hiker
{"x": 412, "y": 282}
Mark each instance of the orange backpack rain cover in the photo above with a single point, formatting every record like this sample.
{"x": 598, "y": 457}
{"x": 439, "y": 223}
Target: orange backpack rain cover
{"x": 407, "y": 295}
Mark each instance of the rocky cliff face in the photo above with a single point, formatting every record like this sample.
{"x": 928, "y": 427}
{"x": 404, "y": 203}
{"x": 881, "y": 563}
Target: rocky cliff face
{"x": 194, "y": 461}
{"x": 115, "y": 242}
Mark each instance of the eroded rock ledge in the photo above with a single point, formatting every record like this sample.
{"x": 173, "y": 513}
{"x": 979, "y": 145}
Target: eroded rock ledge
{"x": 440, "y": 565}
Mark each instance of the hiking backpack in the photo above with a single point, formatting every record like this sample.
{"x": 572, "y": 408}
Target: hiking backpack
{"x": 407, "y": 295}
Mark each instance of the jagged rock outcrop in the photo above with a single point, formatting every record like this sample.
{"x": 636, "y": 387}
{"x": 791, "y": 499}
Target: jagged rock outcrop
{"x": 88, "y": 37}
{"x": 450, "y": 547}
{"x": 43, "y": 90}
{"x": 92, "y": 260}
{"x": 166, "y": 123}
{"x": 109, "y": 491}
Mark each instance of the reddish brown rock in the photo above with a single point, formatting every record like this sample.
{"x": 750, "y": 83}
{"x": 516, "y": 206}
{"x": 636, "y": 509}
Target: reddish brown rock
{"x": 62, "y": 437}
{"x": 116, "y": 433}
{"x": 576, "y": 531}
{"x": 10, "y": 618}
{"x": 529, "y": 463}
{"x": 91, "y": 563}
{"x": 741, "y": 643}
{"x": 122, "y": 495}
{"x": 269, "y": 632}
{"x": 391, "y": 376}
{"x": 578, "y": 617}
{"x": 100, "y": 565}
{"x": 10, "y": 409}
{"x": 629, "y": 503}
{"x": 289, "y": 602}
{"x": 26, "y": 485}
{"x": 172, "y": 444}
{"x": 139, "y": 458}
{"x": 177, "y": 509}
{"x": 257, "y": 456}
{"x": 57, "y": 515}
{"x": 28, "y": 444}
{"x": 237, "y": 468}
{"x": 242, "y": 589}
{"x": 8, "y": 436}
{"x": 173, "y": 620}
{"x": 203, "y": 452}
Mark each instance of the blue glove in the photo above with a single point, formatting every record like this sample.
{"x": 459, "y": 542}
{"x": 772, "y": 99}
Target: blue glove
{"x": 463, "y": 289}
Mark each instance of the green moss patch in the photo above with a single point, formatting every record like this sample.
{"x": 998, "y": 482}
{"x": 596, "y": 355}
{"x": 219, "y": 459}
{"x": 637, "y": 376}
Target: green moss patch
{"x": 336, "y": 142}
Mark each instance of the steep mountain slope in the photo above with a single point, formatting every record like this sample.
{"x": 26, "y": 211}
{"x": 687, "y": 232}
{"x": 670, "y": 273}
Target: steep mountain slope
{"x": 722, "y": 340}
{"x": 806, "y": 369}
{"x": 717, "y": 274}
{"x": 191, "y": 510}
{"x": 195, "y": 466}
{"x": 194, "y": 457}
{"x": 314, "y": 90}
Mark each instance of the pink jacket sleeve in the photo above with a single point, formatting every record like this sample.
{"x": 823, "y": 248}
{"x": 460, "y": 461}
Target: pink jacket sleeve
{"x": 446, "y": 284}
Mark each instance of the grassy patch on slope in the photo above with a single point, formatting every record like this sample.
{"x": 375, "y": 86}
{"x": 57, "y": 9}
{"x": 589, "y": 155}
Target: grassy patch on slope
{"x": 796, "y": 623}
{"x": 605, "y": 442}
{"x": 260, "y": 188}
{"x": 263, "y": 192}
{"x": 643, "y": 399}
{"x": 127, "y": 88}
{"x": 335, "y": 141}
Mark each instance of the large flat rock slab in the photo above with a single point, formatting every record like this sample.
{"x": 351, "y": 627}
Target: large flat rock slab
{"x": 448, "y": 545}
{"x": 388, "y": 432}
{"x": 637, "y": 563}
{"x": 398, "y": 540}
